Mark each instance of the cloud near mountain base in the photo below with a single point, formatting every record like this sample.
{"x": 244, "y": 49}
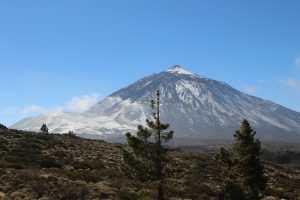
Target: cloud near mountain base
{"x": 76, "y": 104}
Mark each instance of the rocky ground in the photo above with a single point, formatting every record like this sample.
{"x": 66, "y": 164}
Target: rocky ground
{"x": 66, "y": 167}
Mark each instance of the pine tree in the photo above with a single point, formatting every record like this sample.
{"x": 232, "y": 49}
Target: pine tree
{"x": 242, "y": 170}
{"x": 2, "y": 126}
{"x": 247, "y": 151}
{"x": 44, "y": 128}
{"x": 145, "y": 157}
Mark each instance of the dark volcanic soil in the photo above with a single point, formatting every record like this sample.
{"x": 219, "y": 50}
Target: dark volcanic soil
{"x": 66, "y": 167}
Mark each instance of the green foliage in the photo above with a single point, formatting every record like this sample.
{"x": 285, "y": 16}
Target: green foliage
{"x": 3, "y": 127}
{"x": 125, "y": 195}
{"x": 233, "y": 191}
{"x": 49, "y": 162}
{"x": 243, "y": 171}
{"x": 131, "y": 195}
{"x": 28, "y": 152}
{"x": 247, "y": 151}
{"x": 145, "y": 156}
{"x": 44, "y": 128}
{"x": 71, "y": 134}
{"x": 286, "y": 157}
{"x": 90, "y": 169}
{"x": 225, "y": 158}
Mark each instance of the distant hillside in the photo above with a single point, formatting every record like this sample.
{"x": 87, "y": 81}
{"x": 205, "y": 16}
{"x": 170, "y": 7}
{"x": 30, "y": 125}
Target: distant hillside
{"x": 65, "y": 167}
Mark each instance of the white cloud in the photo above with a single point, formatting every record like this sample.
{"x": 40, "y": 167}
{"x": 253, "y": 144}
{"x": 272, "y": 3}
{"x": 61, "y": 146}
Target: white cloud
{"x": 33, "y": 109}
{"x": 76, "y": 104}
{"x": 251, "y": 89}
{"x": 293, "y": 83}
{"x": 82, "y": 103}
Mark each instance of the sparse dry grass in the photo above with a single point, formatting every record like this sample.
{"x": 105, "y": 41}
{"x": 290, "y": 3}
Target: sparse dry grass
{"x": 64, "y": 167}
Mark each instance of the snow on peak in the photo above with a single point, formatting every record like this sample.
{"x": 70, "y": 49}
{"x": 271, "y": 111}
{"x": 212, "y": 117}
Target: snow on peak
{"x": 177, "y": 69}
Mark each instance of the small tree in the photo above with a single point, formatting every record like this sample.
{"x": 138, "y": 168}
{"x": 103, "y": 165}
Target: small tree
{"x": 2, "y": 126}
{"x": 242, "y": 170}
{"x": 247, "y": 151}
{"x": 71, "y": 134}
{"x": 145, "y": 156}
{"x": 44, "y": 129}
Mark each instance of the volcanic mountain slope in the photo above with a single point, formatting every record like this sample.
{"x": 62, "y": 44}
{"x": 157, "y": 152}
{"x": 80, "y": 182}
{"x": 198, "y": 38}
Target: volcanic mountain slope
{"x": 195, "y": 106}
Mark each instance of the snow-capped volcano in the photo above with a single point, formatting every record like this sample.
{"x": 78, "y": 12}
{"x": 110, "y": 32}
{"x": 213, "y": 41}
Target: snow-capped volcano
{"x": 196, "y": 107}
{"x": 177, "y": 69}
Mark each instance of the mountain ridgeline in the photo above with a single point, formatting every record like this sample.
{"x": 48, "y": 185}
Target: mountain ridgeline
{"x": 195, "y": 106}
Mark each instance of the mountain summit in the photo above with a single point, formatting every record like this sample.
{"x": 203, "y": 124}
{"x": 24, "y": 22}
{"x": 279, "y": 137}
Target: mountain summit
{"x": 177, "y": 69}
{"x": 196, "y": 107}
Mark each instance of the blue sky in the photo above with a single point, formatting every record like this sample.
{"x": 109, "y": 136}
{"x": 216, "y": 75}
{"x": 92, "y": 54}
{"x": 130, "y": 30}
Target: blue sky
{"x": 66, "y": 55}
